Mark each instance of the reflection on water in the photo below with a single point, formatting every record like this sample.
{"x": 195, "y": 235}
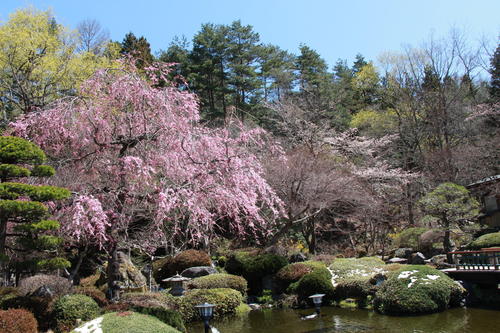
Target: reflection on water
{"x": 359, "y": 321}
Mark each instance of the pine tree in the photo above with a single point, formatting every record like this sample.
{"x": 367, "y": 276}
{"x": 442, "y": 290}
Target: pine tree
{"x": 27, "y": 240}
{"x": 138, "y": 48}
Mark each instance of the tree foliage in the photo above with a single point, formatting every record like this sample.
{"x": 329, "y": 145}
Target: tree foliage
{"x": 23, "y": 224}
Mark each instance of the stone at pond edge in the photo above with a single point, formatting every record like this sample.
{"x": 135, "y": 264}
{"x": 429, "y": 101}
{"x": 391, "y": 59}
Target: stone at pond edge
{"x": 194, "y": 272}
{"x": 397, "y": 261}
{"x": 403, "y": 252}
{"x": 417, "y": 259}
{"x": 297, "y": 257}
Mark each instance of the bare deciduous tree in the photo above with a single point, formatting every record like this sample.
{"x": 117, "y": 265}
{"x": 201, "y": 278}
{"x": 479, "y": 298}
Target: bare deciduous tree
{"x": 93, "y": 37}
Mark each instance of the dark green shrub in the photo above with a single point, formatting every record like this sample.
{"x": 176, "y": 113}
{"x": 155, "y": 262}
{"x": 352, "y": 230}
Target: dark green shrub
{"x": 254, "y": 266}
{"x": 8, "y": 292}
{"x": 17, "y": 321}
{"x": 415, "y": 289}
{"x": 69, "y": 308}
{"x": 219, "y": 281}
{"x": 316, "y": 282}
{"x": 58, "y": 285}
{"x": 409, "y": 238}
{"x": 93, "y": 293}
{"x": 41, "y": 308}
{"x": 169, "y": 317}
{"x": 226, "y": 302}
{"x": 487, "y": 240}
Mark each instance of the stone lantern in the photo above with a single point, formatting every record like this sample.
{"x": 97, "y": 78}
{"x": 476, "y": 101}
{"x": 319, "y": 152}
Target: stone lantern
{"x": 177, "y": 282}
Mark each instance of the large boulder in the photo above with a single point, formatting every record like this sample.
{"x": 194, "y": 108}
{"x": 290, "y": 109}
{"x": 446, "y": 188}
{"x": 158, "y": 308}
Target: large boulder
{"x": 417, "y": 259}
{"x": 130, "y": 275}
{"x": 417, "y": 289}
{"x": 197, "y": 271}
{"x": 403, "y": 252}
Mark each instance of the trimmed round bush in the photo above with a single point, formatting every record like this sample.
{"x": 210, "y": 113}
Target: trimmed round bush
{"x": 487, "y": 240}
{"x": 226, "y": 302}
{"x": 160, "y": 269}
{"x": 57, "y": 285}
{"x": 189, "y": 258}
{"x": 169, "y": 317}
{"x": 123, "y": 322}
{"x": 292, "y": 273}
{"x": 69, "y": 308}
{"x": 94, "y": 293}
{"x": 219, "y": 281}
{"x": 38, "y": 306}
{"x": 17, "y": 321}
{"x": 417, "y": 289}
{"x": 316, "y": 282}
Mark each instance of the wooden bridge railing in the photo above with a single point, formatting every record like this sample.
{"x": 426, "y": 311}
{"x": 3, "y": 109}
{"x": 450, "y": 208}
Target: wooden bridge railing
{"x": 482, "y": 260}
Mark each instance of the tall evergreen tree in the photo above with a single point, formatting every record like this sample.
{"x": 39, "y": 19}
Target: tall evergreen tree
{"x": 27, "y": 239}
{"x": 137, "y": 47}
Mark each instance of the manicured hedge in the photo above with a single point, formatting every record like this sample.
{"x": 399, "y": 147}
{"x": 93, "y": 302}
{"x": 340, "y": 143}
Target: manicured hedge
{"x": 487, "y": 240}
{"x": 128, "y": 322}
{"x": 226, "y": 302}
{"x": 17, "y": 321}
{"x": 40, "y": 307}
{"x": 58, "y": 285}
{"x": 219, "y": 281}
{"x": 69, "y": 308}
{"x": 416, "y": 289}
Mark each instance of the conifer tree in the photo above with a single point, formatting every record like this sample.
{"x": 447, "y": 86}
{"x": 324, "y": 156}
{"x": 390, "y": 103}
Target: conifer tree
{"x": 27, "y": 239}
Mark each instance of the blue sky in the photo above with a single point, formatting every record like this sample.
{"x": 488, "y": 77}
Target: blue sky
{"x": 336, "y": 29}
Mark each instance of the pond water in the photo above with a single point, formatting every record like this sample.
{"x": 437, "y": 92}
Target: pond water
{"x": 332, "y": 319}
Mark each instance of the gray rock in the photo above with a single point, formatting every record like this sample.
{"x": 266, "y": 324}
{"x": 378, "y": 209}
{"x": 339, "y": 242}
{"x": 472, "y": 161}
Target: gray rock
{"x": 297, "y": 257}
{"x": 417, "y": 259}
{"x": 396, "y": 260}
{"x": 194, "y": 272}
{"x": 43, "y": 291}
{"x": 254, "y": 306}
{"x": 440, "y": 261}
{"x": 403, "y": 252}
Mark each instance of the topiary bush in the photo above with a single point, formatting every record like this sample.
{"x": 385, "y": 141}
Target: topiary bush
{"x": 316, "y": 282}
{"x": 69, "y": 308}
{"x": 161, "y": 270}
{"x": 17, "y": 321}
{"x": 188, "y": 258}
{"x": 226, "y": 302}
{"x": 417, "y": 289}
{"x": 97, "y": 295}
{"x": 169, "y": 317}
{"x": 254, "y": 266}
{"x": 58, "y": 285}
{"x": 219, "y": 281}
{"x": 291, "y": 273}
{"x": 128, "y": 321}
{"x": 147, "y": 299}
{"x": 40, "y": 307}
{"x": 484, "y": 241}
{"x": 356, "y": 277}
